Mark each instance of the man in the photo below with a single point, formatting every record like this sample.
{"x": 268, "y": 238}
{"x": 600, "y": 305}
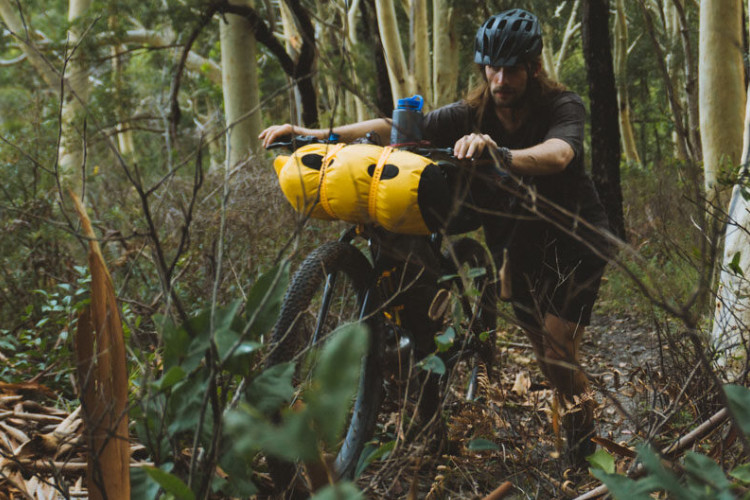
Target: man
{"x": 553, "y": 237}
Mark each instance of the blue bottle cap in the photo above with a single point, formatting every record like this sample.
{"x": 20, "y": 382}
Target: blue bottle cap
{"x": 413, "y": 103}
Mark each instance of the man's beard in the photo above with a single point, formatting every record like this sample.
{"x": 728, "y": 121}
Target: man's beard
{"x": 515, "y": 101}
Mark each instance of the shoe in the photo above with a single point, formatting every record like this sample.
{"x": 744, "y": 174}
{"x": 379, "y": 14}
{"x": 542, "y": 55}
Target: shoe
{"x": 578, "y": 423}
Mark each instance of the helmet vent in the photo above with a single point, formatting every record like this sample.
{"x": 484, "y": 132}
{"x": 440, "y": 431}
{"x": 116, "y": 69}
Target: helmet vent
{"x": 508, "y": 38}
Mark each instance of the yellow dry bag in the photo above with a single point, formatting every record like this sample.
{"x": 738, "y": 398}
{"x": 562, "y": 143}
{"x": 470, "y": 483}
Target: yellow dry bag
{"x": 362, "y": 183}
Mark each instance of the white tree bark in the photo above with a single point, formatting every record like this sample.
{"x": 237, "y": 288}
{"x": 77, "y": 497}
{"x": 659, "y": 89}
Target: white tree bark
{"x": 732, "y": 313}
{"x": 571, "y": 29}
{"x": 9, "y": 15}
{"x": 721, "y": 88}
{"x": 690, "y": 80}
{"x": 194, "y": 62}
{"x": 293, "y": 42}
{"x": 444, "y": 53}
{"x": 240, "y": 88}
{"x": 420, "y": 48}
{"x": 125, "y": 142}
{"x": 620, "y": 63}
{"x": 72, "y": 141}
{"x": 394, "y": 54}
{"x": 351, "y": 32}
{"x": 548, "y": 60}
{"x": 672, "y": 30}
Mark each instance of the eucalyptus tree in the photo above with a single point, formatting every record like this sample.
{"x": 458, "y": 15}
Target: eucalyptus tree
{"x": 721, "y": 92}
{"x": 445, "y": 52}
{"x": 553, "y": 60}
{"x": 239, "y": 87}
{"x": 665, "y": 50}
{"x": 621, "y": 79}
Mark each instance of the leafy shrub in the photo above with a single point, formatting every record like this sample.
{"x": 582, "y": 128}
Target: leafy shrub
{"x": 210, "y": 406}
{"x": 701, "y": 478}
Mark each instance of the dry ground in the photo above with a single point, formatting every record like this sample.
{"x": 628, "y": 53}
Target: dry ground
{"x": 514, "y": 412}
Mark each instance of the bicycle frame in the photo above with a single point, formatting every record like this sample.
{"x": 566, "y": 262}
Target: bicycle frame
{"x": 384, "y": 265}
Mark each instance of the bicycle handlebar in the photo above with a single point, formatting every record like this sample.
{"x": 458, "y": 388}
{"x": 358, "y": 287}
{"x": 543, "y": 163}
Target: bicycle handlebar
{"x": 297, "y": 141}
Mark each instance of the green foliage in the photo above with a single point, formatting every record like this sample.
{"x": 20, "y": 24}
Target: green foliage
{"x": 202, "y": 363}
{"x": 44, "y": 339}
{"x": 702, "y": 479}
{"x": 739, "y": 404}
{"x": 372, "y": 453}
{"x": 602, "y": 460}
{"x": 332, "y": 386}
{"x": 481, "y": 444}
{"x": 446, "y": 339}
{"x": 734, "y": 264}
{"x": 433, "y": 364}
{"x": 339, "y": 491}
{"x": 667, "y": 256}
{"x": 170, "y": 483}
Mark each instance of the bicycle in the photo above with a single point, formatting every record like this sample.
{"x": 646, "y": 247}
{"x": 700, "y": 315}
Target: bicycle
{"x": 401, "y": 287}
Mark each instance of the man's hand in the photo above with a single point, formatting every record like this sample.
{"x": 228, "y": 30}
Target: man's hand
{"x": 472, "y": 146}
{"x": 274, "y": 132}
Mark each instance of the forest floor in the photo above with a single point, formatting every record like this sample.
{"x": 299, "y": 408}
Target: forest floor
{"x": 507, "y": 433}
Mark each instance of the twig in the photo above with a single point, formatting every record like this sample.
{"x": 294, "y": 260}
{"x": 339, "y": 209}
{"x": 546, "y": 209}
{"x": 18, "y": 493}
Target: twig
{"x": 500, "y": 492}
{"x": 672, "y": 450}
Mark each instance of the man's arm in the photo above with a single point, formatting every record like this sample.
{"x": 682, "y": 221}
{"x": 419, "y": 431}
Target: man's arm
{"x": 550, "y": 157}
{"x": 348, "y": 133}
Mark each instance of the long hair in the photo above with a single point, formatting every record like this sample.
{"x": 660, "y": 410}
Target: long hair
{"x": 539, "y": 87}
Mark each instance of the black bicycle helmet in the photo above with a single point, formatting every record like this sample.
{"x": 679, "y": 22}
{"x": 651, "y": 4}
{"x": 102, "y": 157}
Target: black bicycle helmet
{"x": 508, "y": 38}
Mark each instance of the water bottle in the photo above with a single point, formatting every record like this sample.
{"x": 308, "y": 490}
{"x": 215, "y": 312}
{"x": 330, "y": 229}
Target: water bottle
{"x": 407, "y": 121}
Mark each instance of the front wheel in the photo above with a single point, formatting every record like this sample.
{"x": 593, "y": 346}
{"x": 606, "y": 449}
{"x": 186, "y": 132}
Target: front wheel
{"x": 475, "y": 287}
{"x": 331, "y": 287}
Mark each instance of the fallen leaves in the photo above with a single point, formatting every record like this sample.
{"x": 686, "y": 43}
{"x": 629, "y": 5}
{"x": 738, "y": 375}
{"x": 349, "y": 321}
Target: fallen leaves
{"x": 40, "y": 447}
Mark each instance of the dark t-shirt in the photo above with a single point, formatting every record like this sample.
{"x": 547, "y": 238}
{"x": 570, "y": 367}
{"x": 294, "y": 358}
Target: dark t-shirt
{"x": 550, "y": 206}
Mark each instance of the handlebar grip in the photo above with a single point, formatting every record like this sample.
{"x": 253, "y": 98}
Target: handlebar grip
{"x": 293, "y": 142}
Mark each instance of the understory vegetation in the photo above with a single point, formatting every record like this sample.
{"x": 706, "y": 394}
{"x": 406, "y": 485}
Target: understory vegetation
{"x": 200, "y": 252}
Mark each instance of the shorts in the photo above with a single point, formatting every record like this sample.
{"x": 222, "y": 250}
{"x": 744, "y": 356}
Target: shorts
{"x": 554, "y": 275}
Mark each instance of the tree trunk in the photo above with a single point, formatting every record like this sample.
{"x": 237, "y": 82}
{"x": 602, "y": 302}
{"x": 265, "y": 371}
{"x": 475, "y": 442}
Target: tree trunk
{"x": 732, "y": 311}
{"x": 444, "y": 53}
{"x": 125, "y": 143}
{"x": 721, "y": 88}
{"x": 13, "y": 22}
{"x": 570, "y": 29}
{"x": 240, "y": 88}
{"x": 548, "y": 61}
{"x": 621, "y": 79}
{"x": 354, "y": 101}
{"x": 683, "y": 143}
{"x": 303, "y": 70}
{"x": 605, "y": 137}
{"x": 292, "y": 42}
{"x": 124, "y": 134}
{"x": 383, "y": 91}
{"x": 691, "y": 81}
{"x": 674, "y": 69}
{"x": 420, "y": 48}
{"x": 394, "y": 54}
{"x": 71, "y": 166}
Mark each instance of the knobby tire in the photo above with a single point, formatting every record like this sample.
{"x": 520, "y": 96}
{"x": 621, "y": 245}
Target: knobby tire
{"x": 291, "y": 337}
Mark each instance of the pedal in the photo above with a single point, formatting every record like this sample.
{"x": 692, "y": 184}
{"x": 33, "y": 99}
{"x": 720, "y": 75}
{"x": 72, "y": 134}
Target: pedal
{"x": 439, "y": 304}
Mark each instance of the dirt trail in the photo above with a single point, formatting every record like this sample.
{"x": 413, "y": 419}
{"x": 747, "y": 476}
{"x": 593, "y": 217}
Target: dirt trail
{"x": 621, "y": 353}
{"x": 512, "y": 421}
